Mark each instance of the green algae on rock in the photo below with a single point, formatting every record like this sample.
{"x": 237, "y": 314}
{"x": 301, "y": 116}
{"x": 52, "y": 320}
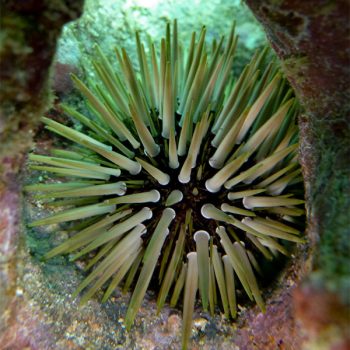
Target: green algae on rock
{"x": 182, "y": 180}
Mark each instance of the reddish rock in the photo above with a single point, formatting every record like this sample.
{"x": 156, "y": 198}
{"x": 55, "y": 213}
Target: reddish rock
{"x": 29, "y": 32}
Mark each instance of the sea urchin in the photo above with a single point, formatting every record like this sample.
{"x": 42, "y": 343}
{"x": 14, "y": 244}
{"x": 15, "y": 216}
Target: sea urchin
{"x": 183, "y": 178}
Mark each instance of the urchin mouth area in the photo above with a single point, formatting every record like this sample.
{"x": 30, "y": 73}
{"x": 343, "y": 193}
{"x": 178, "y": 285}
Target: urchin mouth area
{"x": 182, "y": 196}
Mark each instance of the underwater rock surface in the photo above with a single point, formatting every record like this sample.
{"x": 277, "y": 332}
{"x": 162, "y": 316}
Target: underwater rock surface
{"x": 29, "y": 32}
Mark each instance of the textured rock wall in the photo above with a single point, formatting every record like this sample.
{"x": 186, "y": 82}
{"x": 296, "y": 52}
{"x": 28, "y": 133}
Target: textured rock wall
{"x": 29, "y": 32}
{"x": 312, "y": 40}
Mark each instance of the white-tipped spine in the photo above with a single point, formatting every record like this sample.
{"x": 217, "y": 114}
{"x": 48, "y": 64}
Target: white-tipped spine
{"x": 241, "y": 194}
{"x": 226, "y": 145}
{"x": 184, "y": 134}
{"x": 173, "y": 158}
{"x": 268, "y": 163}
{"x": 214, "y": 184}
{"x": 143, "y": 197}
{"x": 234, "y": 210}
{"x": 168, "y": 103}
{"x": 124, "y": 162}
{"x": 151, "y": 148}
{"x": 174, "y": 197}
{"x": 256, "y": 107}
{"x": 159, "y": 175}
{"x": 201, "y": 238}
{"x": 268, "y": 202}
{"x": 191, "y": 287}
{"x": 185, "y": 173}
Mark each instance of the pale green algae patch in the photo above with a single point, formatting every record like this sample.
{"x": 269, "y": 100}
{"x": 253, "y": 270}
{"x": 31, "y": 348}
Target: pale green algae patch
{"x": 113, "y": 23}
